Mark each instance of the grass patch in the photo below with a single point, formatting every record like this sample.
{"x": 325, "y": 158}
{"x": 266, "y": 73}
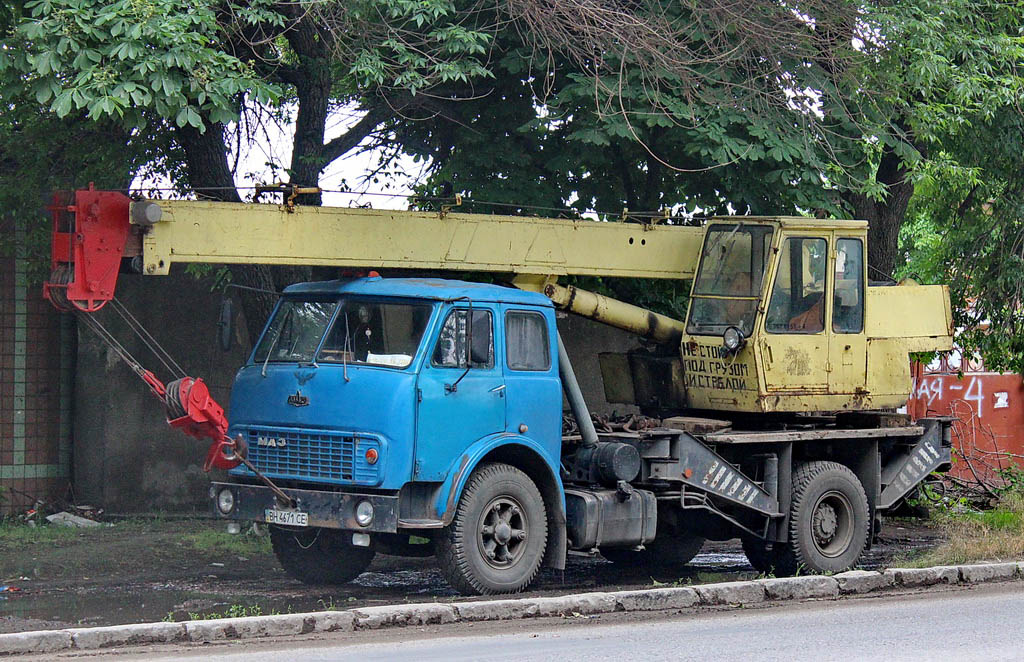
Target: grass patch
{"x": 221, "y": 542}
{"x": 232, "y": 611}
{"x": 19, "y": 533}
{"x": 992, "y": 535}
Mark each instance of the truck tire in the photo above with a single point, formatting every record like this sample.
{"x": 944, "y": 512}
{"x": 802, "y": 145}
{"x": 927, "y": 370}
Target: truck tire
{"x": 828, "y": 521}
{"x": 666, "y": 551}
{"x": 673, "y": 545}
{"x": 319, "y": 556}
{"x": 761, "y": 556}
{"x": 496, "y": 541}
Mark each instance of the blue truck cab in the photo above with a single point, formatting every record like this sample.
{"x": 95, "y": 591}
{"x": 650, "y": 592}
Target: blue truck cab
{"x": 373, "y": 401}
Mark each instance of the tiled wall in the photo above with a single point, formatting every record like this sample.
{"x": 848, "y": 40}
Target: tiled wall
{"x": 36, "y": 359}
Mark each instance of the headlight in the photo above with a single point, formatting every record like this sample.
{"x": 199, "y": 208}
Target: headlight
{"x": 733, "y": 339}
{"x": 364, "y": 513}
{"x": 225, "y": 501}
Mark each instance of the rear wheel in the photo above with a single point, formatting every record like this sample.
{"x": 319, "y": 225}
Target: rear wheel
{"x": 760, "y": 554}
{"x": 672, "y": 547}
{"x": 828, "y": 520}
{"x": 319, "y": 556}
{"x": 496, "y": 541}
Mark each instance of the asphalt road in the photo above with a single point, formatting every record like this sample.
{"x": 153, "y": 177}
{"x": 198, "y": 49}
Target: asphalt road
{"x": 960, "y": 624}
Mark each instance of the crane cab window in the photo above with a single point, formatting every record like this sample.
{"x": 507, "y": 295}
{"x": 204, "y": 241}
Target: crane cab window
{"x": 450, "y": 351}
{"x": 727, "y": 287}
{"x": 797, "y": 303}
{"x": 848, "y": 301}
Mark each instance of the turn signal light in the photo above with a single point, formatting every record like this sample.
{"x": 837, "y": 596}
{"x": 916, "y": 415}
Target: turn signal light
{"x": 371, "y": 456}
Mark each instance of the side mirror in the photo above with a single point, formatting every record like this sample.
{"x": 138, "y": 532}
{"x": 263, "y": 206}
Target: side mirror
{"x": 226, "y": 323}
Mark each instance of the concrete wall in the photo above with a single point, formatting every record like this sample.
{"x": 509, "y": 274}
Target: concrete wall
{"x": 126, "y": 458}
{"x": 584, "y": 339}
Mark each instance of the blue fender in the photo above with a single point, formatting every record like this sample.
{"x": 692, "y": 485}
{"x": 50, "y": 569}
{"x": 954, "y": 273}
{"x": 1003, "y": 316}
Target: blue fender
{"x": 451, "y": 489}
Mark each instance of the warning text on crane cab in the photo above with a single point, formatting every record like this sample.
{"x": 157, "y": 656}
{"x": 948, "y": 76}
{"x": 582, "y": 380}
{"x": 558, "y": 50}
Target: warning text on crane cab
{"x": 708, "y": 366}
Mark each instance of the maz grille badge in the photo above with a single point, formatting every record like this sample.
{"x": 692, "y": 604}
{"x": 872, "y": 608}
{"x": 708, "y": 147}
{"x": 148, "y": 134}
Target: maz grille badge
{"x": 297, "y": 399}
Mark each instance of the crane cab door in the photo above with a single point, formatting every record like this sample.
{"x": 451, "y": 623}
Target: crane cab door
{"x": 456, "y": 406}
{"x": 794, "y": 347}
{"x": 848, "y": 341}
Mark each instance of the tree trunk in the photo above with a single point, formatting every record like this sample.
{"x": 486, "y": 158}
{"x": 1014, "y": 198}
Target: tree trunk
{"x": 209, "y": 175}
{"x": 885, "y": 217}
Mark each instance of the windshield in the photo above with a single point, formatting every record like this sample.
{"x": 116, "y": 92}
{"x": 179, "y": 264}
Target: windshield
{"x": 376, "y": 333}
{"x": 295, "y": 331}
{"x": 728, "y": 283}
{"x": 364, "y": 332}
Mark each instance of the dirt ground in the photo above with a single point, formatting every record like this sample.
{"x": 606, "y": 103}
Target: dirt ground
{"x": 157, "y": 569}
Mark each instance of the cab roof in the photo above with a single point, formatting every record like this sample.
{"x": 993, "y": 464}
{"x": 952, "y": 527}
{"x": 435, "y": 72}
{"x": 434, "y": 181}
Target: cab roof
{"x": 794, "y": 222}
{"x": 437, "y": 289}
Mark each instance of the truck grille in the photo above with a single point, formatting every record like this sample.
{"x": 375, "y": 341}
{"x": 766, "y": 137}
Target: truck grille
{"x": 314, "y": 455}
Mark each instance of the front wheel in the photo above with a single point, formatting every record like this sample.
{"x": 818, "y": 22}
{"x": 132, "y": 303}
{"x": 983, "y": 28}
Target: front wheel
{"x": 319, "y": 556}
{"x": 496, "y": 541}
{"x": 828, "y": 520}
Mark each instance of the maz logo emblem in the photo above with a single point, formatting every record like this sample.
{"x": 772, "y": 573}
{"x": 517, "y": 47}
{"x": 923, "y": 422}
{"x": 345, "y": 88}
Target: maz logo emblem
{"x": 271, "y": 442}
{"x": 297, "y": 399}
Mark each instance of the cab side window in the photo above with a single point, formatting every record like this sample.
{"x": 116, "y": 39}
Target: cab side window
{"x": 798, "y": 295}
{"x": 848, "y": 301}
{"x": 450, "y": 351}
{"x": 526, "y": 341}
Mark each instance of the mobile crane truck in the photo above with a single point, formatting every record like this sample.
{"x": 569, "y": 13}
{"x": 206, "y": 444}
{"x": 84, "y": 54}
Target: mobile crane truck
{"x": 375, "y": 413}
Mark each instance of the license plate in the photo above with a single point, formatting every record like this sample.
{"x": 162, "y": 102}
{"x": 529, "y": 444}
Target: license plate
{"x": 287, "y": 517}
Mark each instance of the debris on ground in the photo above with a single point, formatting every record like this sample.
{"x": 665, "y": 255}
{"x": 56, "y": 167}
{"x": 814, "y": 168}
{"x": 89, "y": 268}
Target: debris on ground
{"x": 67, "y": 519}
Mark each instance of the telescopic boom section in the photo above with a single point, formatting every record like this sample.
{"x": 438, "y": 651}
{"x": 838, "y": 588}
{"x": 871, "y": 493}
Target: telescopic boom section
{"x": 95, "y": 230}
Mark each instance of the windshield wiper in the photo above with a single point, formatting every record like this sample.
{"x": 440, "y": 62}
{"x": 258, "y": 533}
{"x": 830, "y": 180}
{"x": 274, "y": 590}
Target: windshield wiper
{"x": 270, "y": 350}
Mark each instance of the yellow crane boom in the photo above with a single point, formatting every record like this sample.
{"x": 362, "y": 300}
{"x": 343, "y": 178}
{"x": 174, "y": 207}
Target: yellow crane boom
{"x": 233, "y": 233}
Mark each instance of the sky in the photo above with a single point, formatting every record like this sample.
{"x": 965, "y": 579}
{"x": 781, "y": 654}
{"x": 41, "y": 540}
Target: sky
{"x": 271, "y": 143}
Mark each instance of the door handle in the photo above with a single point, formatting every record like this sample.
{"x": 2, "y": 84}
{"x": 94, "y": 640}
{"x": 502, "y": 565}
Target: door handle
{"x": 497, "y": 389}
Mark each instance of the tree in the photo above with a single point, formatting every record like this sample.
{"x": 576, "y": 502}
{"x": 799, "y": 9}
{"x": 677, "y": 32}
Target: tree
{"x": 180, "y": 72}
{"x": 41, "y": 153}
{"x": 834, "y": 109}
{"x": 966, "y": 228}
{"x": 767, "y": 107}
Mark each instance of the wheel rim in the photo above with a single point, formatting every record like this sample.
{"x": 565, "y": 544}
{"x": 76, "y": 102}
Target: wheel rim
{"x": 832, "y": 524}
{"x": 502, "y": 533}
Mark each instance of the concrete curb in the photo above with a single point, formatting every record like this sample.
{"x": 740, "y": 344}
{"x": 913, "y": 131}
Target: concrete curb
{"x": 854, "y": 582}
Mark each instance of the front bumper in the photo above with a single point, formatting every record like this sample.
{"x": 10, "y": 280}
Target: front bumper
{"x": 331, "y": 510}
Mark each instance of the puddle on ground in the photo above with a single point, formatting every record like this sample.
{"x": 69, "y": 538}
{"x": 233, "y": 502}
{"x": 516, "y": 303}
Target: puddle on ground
{"x": 105, "y": 605}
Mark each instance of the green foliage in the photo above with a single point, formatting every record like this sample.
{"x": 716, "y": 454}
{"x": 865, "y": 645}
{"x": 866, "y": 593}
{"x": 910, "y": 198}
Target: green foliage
{"x": 423, "y": 43}
{"x": 1012, "y": 476}
{"x": 120, "y": 59}
{"x": 967, "y": 229}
